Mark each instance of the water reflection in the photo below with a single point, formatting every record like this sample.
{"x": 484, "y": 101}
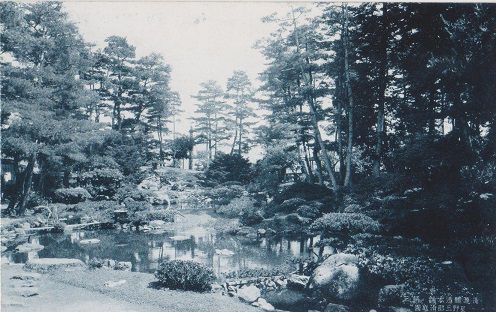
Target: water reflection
{"x": 185, "y": 240}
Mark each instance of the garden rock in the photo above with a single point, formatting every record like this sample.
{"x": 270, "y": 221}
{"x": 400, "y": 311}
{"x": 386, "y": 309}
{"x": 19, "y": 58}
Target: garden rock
{"x": 285, "y": 299}
{"x": 338, "y": 277}
{"x": 29, "y": 247}
{"x": 27, "y": 291}
{"x": 249, "y": 293}
{"x": 263, "y": 304}
{"x": 332, "y": 307}
{"x": 123, "y": 266}
{"x": 45, "y": 265}
{"x": 157, "y": 224}
{"x": 390, "y": 295}
{"x": 297, "y": 282}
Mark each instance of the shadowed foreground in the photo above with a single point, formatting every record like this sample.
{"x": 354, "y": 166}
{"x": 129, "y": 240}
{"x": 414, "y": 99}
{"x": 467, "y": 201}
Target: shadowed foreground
{"x": 85, "y": 291}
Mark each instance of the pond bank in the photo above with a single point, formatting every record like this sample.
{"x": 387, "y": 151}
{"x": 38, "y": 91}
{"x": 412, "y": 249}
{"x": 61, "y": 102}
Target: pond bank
{"x": 86, "y": 291}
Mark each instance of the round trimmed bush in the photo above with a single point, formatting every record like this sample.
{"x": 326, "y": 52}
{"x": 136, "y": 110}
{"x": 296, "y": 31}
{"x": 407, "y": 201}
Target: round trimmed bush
{"x": 185, "y": 274}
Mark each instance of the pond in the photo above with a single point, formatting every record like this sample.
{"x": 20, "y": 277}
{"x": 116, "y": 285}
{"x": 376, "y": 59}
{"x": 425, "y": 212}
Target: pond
{"x": 190, "y": 237}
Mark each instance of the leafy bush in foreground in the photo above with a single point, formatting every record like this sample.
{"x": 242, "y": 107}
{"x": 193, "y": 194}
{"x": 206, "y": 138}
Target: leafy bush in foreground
{"x": 185, "y": 274}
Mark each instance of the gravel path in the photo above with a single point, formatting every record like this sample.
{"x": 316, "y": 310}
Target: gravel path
{"x": 85, "y": 291}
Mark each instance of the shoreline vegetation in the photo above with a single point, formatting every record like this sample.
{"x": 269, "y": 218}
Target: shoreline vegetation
{"x": 375, "y": 190}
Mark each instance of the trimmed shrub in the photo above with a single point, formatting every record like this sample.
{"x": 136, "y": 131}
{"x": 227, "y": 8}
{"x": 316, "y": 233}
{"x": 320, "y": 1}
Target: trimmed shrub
{"x": 72, "y": 195}
{"x": 306, "y": 191}
{"x": 236, "y": 207}
{"x": 102, "y": 182}
{"x": 131, "y": 191}
{"x": 313, "y": 210}
{"x": 35, "y": 199}
{"x": 185, "y": 274}
{"x": 227, "y": 167}
{"x": 164, "y": 215}
{"x": 102, "y": 211}
{"x": 251, "y": 217}
{"x": 222, "y": 195}
{"x": 345, "y": 223}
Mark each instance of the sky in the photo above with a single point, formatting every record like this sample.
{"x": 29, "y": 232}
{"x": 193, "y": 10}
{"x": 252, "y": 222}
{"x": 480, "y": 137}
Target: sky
{"x": 201, "y": 41}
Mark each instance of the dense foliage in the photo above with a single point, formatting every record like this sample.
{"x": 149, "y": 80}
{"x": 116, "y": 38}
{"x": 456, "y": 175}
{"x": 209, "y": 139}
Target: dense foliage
{"x": 186, "y": 275}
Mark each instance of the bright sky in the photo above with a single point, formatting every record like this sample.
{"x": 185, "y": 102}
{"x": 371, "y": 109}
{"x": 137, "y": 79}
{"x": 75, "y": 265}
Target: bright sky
{"x": 201, "y": 41}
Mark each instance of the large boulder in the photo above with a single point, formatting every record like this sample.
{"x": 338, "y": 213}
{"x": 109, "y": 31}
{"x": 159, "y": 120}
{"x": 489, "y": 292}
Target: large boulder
{"x": 286, "y": 299}
{"x": 338, "y": 278}
{"x": 297, "y": 282}
{"x": 332, "y": 307}
{"x": 391, "y": 295}
{"x": 45, "y": 265}
{"x": 249, "y": 293}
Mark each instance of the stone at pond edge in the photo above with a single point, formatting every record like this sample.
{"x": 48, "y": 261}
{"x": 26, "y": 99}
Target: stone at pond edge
{"x": 332, "y": 307}
{"x": 28, "y": 247}
{"x": 297, "y": 282}
{"x": 45, "y": 265}
{"x": 263, "y": 304}
{"x": 249, "y": 293}
{"x": 285, "y": 299}
{"x": 338, "y": 277}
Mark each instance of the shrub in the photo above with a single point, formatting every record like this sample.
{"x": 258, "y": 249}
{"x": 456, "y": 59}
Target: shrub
{"x": 131, "y": 191}
{"x": 227, "y": 167}
{"x": 185, "y": 274}
{"x": 138, "y": 211}
{"x": 312, "y": 211}
{"x": 59, "y": 227}
{"x": 164, "y": 215}
{"x": 35, "y": 199}
{"x": 102, "y": 181}
{"x": 306, "y": 191}
{"x": 102, "y": 211}
{"x": 251, "y": 217}
{"x": 235, "y": 208}
{"x": 345, "y": 223}
{"x": 222, "y": 195}
{"x": 72, "y": 195}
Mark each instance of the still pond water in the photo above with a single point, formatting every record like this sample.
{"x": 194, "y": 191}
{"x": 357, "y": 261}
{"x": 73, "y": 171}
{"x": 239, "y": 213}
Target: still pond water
{"x": 190, "y": 237}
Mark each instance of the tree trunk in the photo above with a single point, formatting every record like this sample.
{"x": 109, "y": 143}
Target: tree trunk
{"x": 26, "y": 186}
{"x": 313, "y": 113}
{"x": 347, "y": 178}
{"x": 235, "y": 137}
{"x": 382, "y": 93}
{"x": 160, "y": 140}
{"x": 317, "y": 163}
{"x": 240, "y": 135}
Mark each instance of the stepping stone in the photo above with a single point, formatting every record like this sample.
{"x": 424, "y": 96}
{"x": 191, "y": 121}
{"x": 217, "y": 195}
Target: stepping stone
{"x": 32, "y": 276}
{"x": 112, "y": 284}
{"x": 8, "y": 302}
{"x": 89, "y": 241}
{"x": 45, "y": 265}
{"x": 27, "y": 291}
